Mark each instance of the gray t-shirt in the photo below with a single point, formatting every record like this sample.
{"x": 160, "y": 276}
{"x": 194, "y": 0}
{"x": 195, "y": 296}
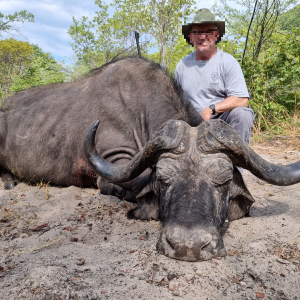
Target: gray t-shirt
{"x": 207, "y": 82}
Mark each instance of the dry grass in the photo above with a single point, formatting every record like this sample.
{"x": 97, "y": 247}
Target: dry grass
{"x": 290, "y": 251}
{"x": 281, "y": 136}
{"x": 40, "y": 246}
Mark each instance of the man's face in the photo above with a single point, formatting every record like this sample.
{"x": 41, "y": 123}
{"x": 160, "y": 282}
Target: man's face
{"x": 204, "y": 37}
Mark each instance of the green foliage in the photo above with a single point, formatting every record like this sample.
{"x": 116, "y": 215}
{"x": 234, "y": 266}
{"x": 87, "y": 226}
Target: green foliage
{"x": 231, "y": 47}
{"x": 105, "y": 38}
{"x": 181, "y": 49}
{"x": 274, "y": 79}
{"x": 7, "y": 21}
{"x": 15, "y": 58}
{"x": 160, "y": 19}
{"x": 290, "y": 19}
{"x": 270, "y": 62}
{"x": 93, "y": 40}
{"x": 101, "y": 40}
{"x": 23, "y": 66}
{"x": 44, "y": 69}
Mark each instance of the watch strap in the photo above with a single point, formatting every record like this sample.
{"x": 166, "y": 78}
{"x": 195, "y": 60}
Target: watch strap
{"x": 213, "y": 108}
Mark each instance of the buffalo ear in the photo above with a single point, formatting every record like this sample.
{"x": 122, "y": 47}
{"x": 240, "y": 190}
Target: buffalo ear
{"x": 240, "y": 198}
{"x": 146, "y": 190}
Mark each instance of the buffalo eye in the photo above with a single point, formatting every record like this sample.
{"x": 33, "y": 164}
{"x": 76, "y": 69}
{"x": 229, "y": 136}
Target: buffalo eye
{"x": 220, "y": 171}
{"x": 224, "y": 176}
{"x": 166, "y": 170}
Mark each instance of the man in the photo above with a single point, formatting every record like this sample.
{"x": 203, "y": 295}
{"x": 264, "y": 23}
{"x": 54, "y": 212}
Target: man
{"x": 211, "y": 79}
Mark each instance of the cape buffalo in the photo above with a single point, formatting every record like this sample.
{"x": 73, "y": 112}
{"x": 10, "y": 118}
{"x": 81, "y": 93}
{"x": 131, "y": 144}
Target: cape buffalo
{"x": 151, "y": 147}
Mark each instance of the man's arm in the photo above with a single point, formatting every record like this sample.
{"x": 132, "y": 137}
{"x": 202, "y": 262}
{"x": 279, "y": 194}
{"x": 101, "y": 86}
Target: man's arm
{"x": 227, "y": 104}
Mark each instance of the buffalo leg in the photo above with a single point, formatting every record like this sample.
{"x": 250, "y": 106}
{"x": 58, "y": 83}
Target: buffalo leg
{"x": 107, "y": 188}
{"x": 7, "y": 179}
{"x": 127, "y": 190}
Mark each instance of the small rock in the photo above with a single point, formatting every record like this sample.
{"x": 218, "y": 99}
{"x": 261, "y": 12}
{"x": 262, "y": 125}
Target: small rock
{"x": 80, "y": 262}
{"x": 165, "y": 282}
{"x": 172, "y": 286}
{"x": 260, "y": 295}
{"x": 68, "y": 228}
{"x": 235, "y": 280}
{"x": 282, "y": 261}
{"x": 171, "y": 276}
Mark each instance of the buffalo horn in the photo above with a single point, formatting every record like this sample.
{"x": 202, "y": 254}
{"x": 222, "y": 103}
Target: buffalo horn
{"x": 218, "y": 136}
{"x": 168, "y": 137}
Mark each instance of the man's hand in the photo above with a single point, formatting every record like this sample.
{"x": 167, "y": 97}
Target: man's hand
{"x": 206, "y": 113}
{"x": 227, "y": 104}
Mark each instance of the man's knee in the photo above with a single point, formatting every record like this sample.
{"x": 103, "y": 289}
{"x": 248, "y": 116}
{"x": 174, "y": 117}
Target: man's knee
{"x": 241, "y": 119}
{"x": 243, "y": 114}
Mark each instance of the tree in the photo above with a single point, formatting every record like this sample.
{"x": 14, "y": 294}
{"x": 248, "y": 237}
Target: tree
{"x": 100, "y": 40}
{"x": 290, "y": 19}
{"x": 161, "y": 19}
{"x": 23, "y": 66}
{"x": 180, "y": 50}
{"x": 15, "y": 58}
{"x": 43, "y": 69}
{"x": 105, "y": 38}
{"x": 256, "y": 20}
{"x": 7, "y": 22}
{"x": 268, "y": 55}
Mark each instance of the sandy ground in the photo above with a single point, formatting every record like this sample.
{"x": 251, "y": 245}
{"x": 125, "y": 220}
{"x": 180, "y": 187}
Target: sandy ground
{"x": 72, "y": 243}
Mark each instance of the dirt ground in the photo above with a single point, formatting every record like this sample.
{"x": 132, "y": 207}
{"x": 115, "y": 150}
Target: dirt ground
{"x": 72, "y": 243}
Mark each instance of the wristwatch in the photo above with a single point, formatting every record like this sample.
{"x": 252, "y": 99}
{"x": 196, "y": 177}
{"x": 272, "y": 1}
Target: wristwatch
{"x": 213, "y": 108}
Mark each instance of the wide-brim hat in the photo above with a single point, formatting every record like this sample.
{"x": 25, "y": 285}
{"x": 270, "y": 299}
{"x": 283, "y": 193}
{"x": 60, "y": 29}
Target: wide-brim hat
{"x": 203, "y": 16}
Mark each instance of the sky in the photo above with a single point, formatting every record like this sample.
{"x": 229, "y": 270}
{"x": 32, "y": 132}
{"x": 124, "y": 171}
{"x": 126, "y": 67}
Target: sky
{"x": 52, "y": 20}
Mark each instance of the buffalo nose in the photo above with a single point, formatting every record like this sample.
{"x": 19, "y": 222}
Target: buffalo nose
{"x": 191, "y": 244}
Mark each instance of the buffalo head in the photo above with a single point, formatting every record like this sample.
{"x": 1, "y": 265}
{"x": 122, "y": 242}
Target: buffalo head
{"x": 195, "y": 186}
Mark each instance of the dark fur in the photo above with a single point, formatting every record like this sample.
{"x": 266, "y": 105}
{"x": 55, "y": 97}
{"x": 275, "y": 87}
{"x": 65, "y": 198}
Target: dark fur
{"x": 193, "y": 192}
{"x": 42, "y": 129}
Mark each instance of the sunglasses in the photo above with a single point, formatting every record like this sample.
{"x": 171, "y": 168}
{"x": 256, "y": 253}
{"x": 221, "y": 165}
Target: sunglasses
{"x": 207, "y": 33}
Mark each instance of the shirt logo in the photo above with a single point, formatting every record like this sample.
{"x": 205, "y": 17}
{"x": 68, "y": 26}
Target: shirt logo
{"x": 215, "y": 78}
